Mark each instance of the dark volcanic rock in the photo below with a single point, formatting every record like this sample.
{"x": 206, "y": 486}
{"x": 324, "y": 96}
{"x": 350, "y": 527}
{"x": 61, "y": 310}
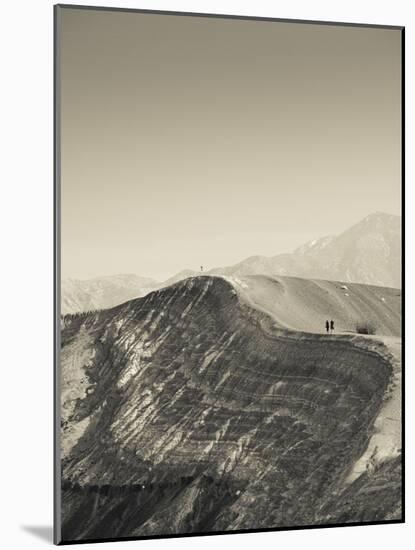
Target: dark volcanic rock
{"x": 188, "y": 411}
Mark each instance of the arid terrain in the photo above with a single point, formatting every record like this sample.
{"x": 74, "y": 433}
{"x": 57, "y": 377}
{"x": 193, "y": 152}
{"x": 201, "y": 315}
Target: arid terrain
{"x": 220, "y": 403}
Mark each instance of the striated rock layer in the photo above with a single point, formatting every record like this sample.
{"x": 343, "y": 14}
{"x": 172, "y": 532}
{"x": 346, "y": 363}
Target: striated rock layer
{"x": 193, "y": 409}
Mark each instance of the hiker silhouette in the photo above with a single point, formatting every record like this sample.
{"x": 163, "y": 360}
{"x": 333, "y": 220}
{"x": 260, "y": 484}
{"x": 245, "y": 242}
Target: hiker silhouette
{"x": 327, "y": 326}
{"x": 332, "y": 325}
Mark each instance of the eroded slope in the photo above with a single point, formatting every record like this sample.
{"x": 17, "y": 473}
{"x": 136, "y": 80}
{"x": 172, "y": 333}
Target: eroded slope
{"x": 195, "y": 411}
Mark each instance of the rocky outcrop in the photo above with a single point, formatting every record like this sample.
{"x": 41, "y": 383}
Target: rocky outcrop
{"x": 192, "y": 410}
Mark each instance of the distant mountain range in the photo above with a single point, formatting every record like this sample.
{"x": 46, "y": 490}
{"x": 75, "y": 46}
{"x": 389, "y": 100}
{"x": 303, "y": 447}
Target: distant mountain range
{"x": 369, "y": 252}
{"x": 102, "y": 292}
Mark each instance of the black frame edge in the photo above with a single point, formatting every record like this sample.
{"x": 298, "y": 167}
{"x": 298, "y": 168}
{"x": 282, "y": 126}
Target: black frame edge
{"x": 230, "y": 16}
{"x": 57, "y": 537}
{"x": 403, "y": 279}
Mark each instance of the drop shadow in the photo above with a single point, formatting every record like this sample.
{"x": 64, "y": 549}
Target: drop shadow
{"x": 43, "y": 532}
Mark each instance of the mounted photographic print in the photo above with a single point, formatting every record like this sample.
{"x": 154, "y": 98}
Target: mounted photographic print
{"x": 228, "y": 274}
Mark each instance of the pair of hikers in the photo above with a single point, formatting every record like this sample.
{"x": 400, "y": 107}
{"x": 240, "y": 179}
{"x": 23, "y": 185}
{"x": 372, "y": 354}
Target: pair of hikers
{"x": 330, "y": 326}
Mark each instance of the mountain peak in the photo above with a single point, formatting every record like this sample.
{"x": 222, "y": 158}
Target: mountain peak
{"x": 376, "y": 216}
{"x": 315, "y": 244}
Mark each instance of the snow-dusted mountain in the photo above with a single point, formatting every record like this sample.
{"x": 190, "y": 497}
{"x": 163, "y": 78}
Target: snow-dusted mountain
{"x": 369, "y": 252}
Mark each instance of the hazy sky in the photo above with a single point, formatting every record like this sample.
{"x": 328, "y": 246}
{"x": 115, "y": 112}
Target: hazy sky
{"x": 190, "y": 140}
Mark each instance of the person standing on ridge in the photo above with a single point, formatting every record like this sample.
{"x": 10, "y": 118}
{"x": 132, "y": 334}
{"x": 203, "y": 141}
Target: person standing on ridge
{"x": 327, "y": 326}
{"x": 332, "y": 326}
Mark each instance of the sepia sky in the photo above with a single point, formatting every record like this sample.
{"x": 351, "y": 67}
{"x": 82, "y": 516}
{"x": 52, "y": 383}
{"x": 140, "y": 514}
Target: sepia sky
{"x": 189, "y": 141}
